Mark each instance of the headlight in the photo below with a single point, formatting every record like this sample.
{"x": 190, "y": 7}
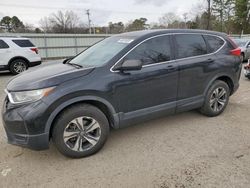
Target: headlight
{"x": 28, "y": 96}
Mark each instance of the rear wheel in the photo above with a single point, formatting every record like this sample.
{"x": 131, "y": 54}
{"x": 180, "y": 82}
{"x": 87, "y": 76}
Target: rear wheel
{"x": 242, "y": 57}
{"x": 18, "y": 66}
{"x": 80, "y": 131}
{"x": 216, "y": 99}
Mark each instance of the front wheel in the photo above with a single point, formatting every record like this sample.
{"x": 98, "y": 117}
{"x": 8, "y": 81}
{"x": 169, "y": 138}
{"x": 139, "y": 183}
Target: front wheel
{"x": 80, "y": 131}
{"x": 216, "y": 99}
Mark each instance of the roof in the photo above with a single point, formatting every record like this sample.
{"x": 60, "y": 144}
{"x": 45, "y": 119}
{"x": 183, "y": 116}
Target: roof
{"x": 166, "y": 31}
{"x": 13, "y": 38}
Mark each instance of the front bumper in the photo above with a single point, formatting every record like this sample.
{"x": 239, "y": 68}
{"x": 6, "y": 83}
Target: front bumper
{"x": 25, "y": 125}
{"x": 35, "y": 142}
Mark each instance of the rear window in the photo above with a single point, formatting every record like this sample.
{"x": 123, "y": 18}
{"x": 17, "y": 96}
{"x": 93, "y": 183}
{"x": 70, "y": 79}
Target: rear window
{"x": 215, "y": 43}
{"x": 23, "y": 43}
{"x": 189, "y": 45}
{"x": 3, "y": 44}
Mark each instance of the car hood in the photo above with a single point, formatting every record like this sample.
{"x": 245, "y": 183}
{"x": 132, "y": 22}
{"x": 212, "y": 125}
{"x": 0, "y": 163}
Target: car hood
{"x": 46, "y": 76}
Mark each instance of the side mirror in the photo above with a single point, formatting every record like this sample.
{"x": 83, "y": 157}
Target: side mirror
{"x": 66, "y": 60}
{"x": 248, "y": 46}
{"x": 130, "y": 65}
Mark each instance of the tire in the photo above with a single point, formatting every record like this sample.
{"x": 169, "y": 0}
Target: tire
{"x": 213, "y": 99}
{"x": 18, "y": 66}
{"x": 71, "y": 132}
{"x": 242, "y": 57}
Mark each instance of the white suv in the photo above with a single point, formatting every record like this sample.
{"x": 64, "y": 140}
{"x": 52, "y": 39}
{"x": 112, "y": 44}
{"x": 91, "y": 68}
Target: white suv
{"x": 18, "y": 54}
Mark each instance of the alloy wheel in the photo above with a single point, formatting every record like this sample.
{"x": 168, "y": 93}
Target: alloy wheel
{"x": 218, "y": 99}
{"x": 82, "y": 134}
{"x": 19, "y": 67}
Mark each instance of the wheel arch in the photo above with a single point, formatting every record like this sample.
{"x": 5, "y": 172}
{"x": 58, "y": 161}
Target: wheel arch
{"x": 18, "y": 57}
{"x": 243, "y": 53}
{"x": 98, "y": 102}
{"x": 225, "y": 78}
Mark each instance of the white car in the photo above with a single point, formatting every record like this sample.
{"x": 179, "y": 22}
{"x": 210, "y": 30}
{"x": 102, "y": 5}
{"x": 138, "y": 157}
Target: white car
{"x": 244, "y": 45}
{"x": 18, "y": 54}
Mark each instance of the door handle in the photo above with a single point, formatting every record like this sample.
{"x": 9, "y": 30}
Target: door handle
{"x": 210, "y": 60}
{"x": 171, "y": 67}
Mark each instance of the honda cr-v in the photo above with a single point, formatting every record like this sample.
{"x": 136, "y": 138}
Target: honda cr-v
{"x": 120, "y": 81}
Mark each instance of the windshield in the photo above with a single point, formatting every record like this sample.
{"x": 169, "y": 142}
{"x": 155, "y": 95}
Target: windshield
{"x": 240, "y": 42}
{"x": 102, "y": 52}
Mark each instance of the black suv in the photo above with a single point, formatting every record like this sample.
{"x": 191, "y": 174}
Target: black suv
{"x": 119, "y": 81}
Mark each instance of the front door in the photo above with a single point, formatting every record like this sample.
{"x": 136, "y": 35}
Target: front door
{"x": 152, "y": 88}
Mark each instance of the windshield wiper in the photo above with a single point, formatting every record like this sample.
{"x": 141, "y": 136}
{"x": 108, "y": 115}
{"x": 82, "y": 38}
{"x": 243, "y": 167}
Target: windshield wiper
{"x": 74, "y": 64}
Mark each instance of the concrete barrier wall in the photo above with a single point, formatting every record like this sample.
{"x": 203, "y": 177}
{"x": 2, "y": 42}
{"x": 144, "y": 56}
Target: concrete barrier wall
{"x": 54, "y": 46}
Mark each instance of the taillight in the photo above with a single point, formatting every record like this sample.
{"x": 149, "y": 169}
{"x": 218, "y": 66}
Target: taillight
{"x": 34, "y": 50}
{"x": 236, "y": 52}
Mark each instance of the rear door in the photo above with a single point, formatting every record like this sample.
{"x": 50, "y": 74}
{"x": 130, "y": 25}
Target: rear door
{"x": 25, "y": 48}
{"x": 196, "y": 65}
{"x": 5, "y": 53}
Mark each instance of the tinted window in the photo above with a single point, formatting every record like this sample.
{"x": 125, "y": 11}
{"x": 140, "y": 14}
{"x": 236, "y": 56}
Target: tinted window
{"x": 3, "y": 44}
{"x": 154, "y": 50}
{"x": 23, "y": 43}
{"x": 214, "y": 42}
{"x": 189, "y": 45}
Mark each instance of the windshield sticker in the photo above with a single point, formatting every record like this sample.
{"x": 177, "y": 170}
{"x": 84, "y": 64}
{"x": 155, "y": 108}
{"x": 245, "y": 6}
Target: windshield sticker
{"x": 126, "y": 41}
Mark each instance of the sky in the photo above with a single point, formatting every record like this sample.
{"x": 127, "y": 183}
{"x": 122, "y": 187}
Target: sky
{"x": 101, "y": 11}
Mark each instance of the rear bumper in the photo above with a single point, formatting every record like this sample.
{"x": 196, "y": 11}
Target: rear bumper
{"x": 30, "y": 64}
{"x": 34, "y": 63}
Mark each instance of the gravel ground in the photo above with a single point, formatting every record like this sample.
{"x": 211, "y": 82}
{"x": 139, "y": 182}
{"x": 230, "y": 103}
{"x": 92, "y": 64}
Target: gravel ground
{"x": 184, "y": 150}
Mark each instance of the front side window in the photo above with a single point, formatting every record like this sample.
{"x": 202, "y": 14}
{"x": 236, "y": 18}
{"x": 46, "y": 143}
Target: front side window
{"x": 189, "y": 45}
{"x": 215, "y": 43}
{"x": 3, "y": 45}
{"x": 152, "y": 51}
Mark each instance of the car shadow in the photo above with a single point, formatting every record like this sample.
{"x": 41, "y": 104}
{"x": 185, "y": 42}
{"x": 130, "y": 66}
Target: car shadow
{"x": 6, "y": 73}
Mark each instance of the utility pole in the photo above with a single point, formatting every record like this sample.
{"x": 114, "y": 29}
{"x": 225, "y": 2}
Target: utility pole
{"x": 209, "y": 2}
{"x": 89, "y": 21}
{"x": 185, "y": 19}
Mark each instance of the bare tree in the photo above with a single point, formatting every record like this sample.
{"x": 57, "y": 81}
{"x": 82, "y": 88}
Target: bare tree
{"x": 63, "y": 22}
{"x": 168, "y": 19}
{"x": 60, "y": 22}
{"x": 45, "y": 24}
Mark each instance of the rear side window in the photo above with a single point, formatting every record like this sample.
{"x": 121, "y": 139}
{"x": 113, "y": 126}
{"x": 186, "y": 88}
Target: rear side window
{"x": 3, "y": 44}
{"x": 189, "y": 45}
{"x": 215, "y": 43}
{"x": 152, "y": 51}
{"x": 23, "y": 43}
